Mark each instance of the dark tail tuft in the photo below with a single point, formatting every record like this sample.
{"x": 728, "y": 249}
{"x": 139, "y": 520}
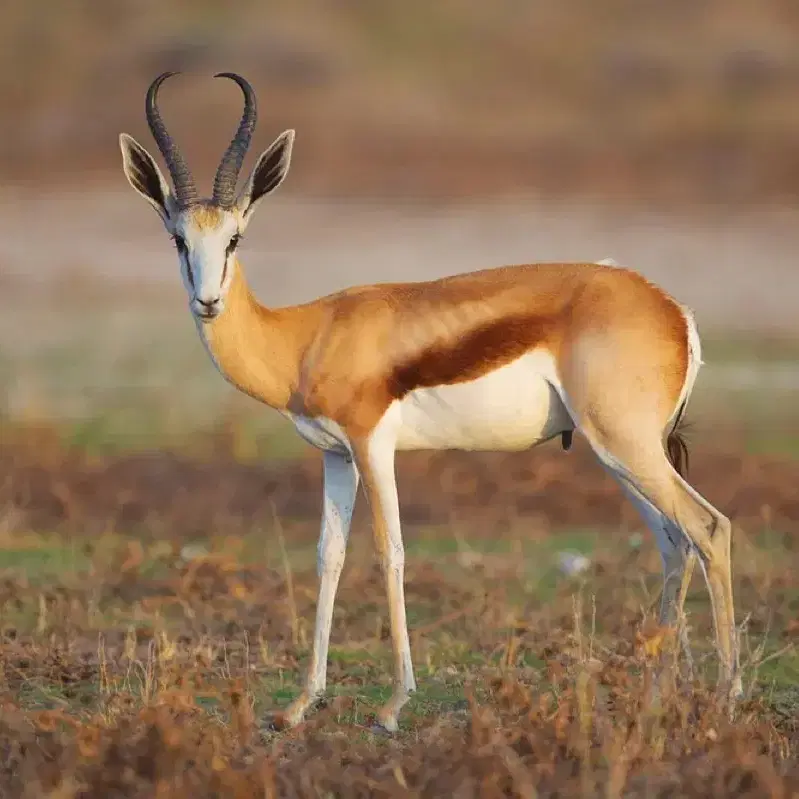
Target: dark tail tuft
{"x": 676, "y": 445}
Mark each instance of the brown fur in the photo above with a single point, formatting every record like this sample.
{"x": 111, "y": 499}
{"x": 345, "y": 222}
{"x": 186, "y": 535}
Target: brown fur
{"x": 482, "y": 350}
{"x": 347, "y": 356}
{"x": 677, "y": 445}
{"x": 206, "y": 214}
{"x": 621, "y": 351}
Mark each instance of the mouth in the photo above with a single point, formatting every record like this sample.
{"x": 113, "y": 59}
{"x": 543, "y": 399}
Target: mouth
{"x": 206, "y": 316}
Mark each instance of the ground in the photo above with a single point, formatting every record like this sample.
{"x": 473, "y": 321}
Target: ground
{"x": 158, "y": 531}
{"x": 157, "y": 608}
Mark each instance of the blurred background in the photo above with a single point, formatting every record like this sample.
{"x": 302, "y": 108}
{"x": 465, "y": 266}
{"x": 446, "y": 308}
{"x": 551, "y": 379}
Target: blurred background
{"x": 153, "y": 521}
{"x": 431, "y": 139}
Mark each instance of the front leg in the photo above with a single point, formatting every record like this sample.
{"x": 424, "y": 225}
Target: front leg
{"x": 340, "y": 488}
{"x": 376, "y": 461}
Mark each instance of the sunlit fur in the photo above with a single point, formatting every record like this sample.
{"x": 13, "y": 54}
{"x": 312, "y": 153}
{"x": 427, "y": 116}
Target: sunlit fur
{"x": 205, "y": 234}
{"x": 500, "y": 359}
{"x": 207, "y": 262}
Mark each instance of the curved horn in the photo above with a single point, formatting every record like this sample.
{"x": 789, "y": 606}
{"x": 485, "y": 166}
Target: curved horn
{"x": 227, "y": 174}
{"x": 185, "y": 190}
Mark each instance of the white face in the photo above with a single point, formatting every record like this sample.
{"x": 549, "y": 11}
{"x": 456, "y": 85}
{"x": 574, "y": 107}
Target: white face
{"x": 206, "y": 235}
{"x": 206, "y": 239}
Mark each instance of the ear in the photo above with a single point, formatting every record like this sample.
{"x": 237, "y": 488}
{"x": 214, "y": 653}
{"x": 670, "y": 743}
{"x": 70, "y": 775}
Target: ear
{"x": 268, "y": 173}
{"x": 144, "y": 175}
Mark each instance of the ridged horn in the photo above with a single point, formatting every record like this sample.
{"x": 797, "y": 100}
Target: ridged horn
{"x": 227, "y": 174}
{"x": 185, "y": 190}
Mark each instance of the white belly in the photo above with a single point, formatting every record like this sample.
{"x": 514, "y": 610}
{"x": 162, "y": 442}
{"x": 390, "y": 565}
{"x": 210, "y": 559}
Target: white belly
{"x": 321, "y": 432}
{"x": 512, "y": 408}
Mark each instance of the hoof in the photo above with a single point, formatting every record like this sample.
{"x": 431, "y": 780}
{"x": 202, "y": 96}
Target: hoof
{"x": 378, "y": 728}
{"x": 294, "y": 714}
{"x": 387, "y": 723}
{"x": 275, "y": 722}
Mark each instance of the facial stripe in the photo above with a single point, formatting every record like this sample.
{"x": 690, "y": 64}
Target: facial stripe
{"x": 206, "y": 238}
{"x": 230, "y": 249}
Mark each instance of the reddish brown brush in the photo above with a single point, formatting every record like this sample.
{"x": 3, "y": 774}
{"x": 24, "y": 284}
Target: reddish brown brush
{"x": 598, "y": 737}
{"x": 153, "y": 668}
{"x": 168, "y": 495}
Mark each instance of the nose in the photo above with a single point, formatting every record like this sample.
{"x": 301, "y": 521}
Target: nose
{"x": 209, "y": 309}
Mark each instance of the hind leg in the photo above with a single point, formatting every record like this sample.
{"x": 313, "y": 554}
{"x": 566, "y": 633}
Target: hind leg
{"x": 678, "y": 561}
{"x": 640, "y": 464}
{"x": 688, "y": 563}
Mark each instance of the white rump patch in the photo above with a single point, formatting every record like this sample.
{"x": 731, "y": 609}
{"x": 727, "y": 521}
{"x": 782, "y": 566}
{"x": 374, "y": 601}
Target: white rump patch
{"x": 694, "y": 358}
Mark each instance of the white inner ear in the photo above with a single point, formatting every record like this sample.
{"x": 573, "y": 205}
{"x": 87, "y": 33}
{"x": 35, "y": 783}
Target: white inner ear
{"x": 244, "y": 202}
{"x": 127, "y": 144}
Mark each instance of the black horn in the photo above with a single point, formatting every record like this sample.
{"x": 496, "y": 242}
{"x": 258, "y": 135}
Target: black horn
{"x": 227, "y": 174}
{"x": 185, "y": 190}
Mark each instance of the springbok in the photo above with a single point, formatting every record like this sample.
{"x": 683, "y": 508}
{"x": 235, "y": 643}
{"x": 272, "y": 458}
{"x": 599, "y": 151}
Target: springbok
{"x": 499, "y": 359}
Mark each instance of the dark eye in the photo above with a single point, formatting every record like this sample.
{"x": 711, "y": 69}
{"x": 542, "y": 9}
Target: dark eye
{"x": 234, "y": 242}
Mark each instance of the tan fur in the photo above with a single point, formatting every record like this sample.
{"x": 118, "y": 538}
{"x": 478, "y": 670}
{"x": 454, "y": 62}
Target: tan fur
{"x": 621, "y": 351}
{"x": 205, "y": 215}
{"x": 257, "y": 349}
{"x": 501, "y": 358}
{"x": 347, "y": 356}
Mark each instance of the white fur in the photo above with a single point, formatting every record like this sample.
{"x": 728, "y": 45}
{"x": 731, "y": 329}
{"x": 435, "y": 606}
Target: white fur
{"x": 512, "y": 408}
{"x": 380, "y": 454}
{"x": 321, "y": 432}
{"x": 207, "y": 259}
{"x": 694, "y": 357}
{"x": 207, "y": 253}
{"x": 340, "y": 488}
{"x": 341, "y": 485}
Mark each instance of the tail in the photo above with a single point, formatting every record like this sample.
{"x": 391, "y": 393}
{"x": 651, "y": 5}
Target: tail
{"x": 676, "y": 444}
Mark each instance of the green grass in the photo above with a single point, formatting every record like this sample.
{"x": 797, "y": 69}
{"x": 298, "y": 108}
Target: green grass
{"x": 47, "y": 562}
{"x": 43, "y": 560}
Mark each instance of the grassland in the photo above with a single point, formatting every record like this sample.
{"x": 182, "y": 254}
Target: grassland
{"x": 157, "y": 556}
{"x": 156, "y": 609}
{"x": 157, "y": 531}
{"x": 157, "y": 585}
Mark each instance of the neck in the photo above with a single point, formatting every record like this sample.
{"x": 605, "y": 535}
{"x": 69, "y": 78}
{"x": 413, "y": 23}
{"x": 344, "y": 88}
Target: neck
{"x": 255, "y": 348}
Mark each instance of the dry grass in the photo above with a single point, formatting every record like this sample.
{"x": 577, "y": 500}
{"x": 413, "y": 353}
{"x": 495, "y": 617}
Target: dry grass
{"x": 156, "y": 606}
{"x": 151, "y": 623}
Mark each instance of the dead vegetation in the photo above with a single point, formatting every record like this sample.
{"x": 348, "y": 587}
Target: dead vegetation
{"x": 150, "y": 625}
{"x": 163, "y": 493}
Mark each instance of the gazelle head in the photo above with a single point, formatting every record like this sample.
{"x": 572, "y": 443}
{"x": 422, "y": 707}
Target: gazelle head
{"x": 206, "y": 231}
